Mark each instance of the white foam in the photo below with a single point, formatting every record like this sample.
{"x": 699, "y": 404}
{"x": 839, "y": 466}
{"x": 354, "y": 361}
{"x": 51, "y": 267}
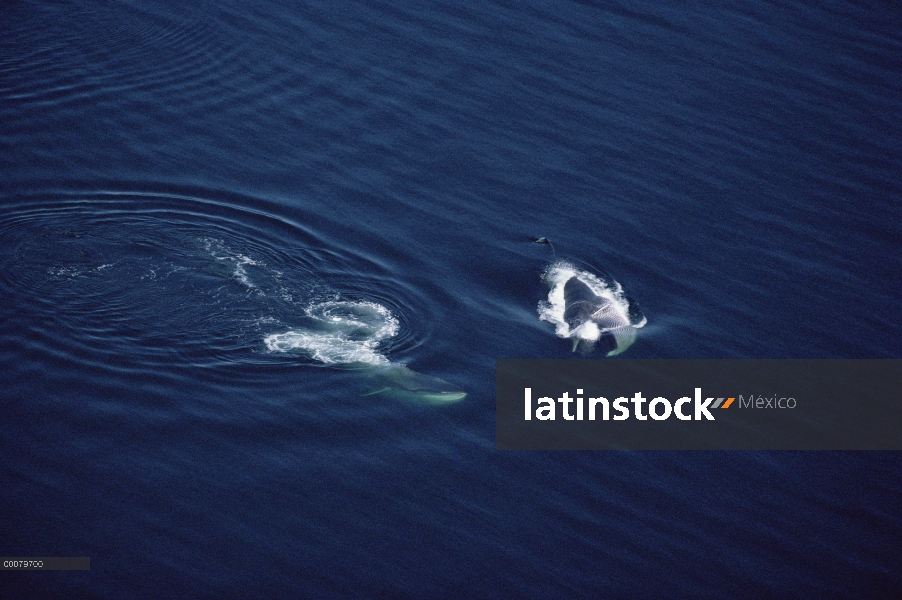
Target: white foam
{"x": 219, "y": 251}
{"x": 64, "y": 271}
{"x": 587, "y": 331}
{"x": 341, "y": 333}
{"x": 239, "y": 273}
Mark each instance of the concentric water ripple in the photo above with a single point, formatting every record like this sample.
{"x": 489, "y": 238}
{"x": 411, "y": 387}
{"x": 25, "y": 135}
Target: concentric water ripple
{"x": 147, "y": 281}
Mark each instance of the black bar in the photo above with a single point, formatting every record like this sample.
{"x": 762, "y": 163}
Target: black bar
{"x": 45, "y": 563}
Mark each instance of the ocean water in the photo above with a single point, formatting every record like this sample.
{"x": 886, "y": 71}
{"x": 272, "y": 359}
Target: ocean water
{"x": 252, "y": 254}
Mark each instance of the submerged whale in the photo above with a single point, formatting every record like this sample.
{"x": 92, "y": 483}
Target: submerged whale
{"x": 396, "y": 380}
{"x": 350, "y": 334}
{"x": 590, "y": 310}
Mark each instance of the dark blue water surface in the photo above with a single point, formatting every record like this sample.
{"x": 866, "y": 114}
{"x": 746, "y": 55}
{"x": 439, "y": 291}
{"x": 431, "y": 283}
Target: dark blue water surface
{"x": 181, "y": 181}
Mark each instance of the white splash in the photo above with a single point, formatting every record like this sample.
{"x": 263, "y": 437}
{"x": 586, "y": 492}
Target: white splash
{"x": 339, "y": 332}
{"x": 239, "y": 273}
{"x": 350, "y": 333}
{"x": 219, "y": 251}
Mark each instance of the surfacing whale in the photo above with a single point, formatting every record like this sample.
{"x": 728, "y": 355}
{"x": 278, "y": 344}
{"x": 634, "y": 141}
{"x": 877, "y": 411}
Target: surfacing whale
{"x": 592, "y": 311}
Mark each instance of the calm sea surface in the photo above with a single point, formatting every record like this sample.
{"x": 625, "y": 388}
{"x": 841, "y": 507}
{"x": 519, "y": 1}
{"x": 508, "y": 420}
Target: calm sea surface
{"x": 232, "y": 233}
